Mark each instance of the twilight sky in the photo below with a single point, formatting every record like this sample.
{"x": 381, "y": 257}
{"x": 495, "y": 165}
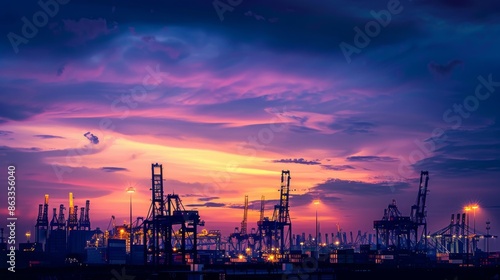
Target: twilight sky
{"x": 355, "y": 99}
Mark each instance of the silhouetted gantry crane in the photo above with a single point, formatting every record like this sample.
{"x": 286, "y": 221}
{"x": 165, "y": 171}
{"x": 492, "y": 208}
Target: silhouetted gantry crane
{"x": 419, "y": 215}
{"x": 84, "y": 221}
{"x": 238, "y": 240}
{"x": 396, "y": 232}
{"x": 170, "y": 231}
{"x": 42, "y": 222}
{"x": 243, "y": 242}
{"x": 276, "y": 233}
{"x": 72, "y": 223}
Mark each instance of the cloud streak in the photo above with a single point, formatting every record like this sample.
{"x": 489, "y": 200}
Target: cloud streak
{"x": 207, "y": 204}
{"x": 371, "y": 159}
{"x": 337, "y": 167}
{"x": 47, "y": 136}
{"x": 297, "y": 161}
{"x": 113, "y": 169}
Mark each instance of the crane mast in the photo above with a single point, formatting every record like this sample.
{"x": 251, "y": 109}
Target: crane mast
{"x": 244, "y": 223}
{"x": 262, "y": 206}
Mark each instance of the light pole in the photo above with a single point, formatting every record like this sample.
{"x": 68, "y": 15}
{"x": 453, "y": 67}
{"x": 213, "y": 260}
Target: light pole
{"x": 474, "y": 245}
{"x": 467, "y": 209}
{"x": 131, "y": 190}
{"x": 316, "y": 203}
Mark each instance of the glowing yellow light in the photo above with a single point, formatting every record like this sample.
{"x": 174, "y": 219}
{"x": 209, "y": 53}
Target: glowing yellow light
{"x": 475, "y": 206}
{"x": 337, "y": 243}
{"x": 467, "y": 208}
{"x": 247, "y": 249}
{"x": 316, "y": 202}
{"x": 131, "y": 190}
{"x": 122, "y": 231}
{"x": 240, "y": 257}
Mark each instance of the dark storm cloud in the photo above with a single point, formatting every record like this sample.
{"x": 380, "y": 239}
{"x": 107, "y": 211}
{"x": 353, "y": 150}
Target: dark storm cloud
{"x": 302, "y": 26}
{"x": 297, "y": 161}
{"x": 371, "y": 159}
{"x": 47, "y": 136}
{"x": 113, "y": 169}
{"x": 281, "y": 25}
